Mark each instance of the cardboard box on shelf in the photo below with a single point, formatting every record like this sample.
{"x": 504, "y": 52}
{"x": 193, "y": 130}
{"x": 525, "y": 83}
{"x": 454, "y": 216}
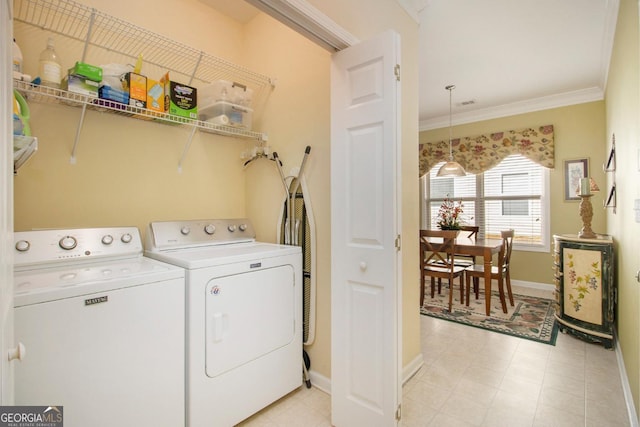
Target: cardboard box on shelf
{"x": 88, "y": 71}
{"x": 155, "y": 95}
{"x": 183, "y": 100}
{"x": 136, "y": 85}
{"x": 80, "y": 84}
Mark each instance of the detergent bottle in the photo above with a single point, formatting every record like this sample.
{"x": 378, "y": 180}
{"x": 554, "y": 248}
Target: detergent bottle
{"x": 17, "y": 57}
{"x": 49, "y": 68}
{"x": 20, "y": 115}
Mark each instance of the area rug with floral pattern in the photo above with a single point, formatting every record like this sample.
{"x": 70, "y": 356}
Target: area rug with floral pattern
{"x": 530, "y": 317}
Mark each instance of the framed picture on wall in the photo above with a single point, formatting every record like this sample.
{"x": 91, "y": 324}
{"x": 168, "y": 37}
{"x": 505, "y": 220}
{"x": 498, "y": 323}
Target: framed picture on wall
{"x": 573, "y": 171}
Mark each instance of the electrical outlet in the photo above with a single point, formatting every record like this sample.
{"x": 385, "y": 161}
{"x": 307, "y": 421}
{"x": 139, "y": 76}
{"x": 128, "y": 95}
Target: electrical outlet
{"x": 636, "y": 208}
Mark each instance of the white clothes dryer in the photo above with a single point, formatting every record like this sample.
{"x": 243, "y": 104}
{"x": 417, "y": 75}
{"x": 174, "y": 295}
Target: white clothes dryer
{"x": 244, "y": 316}
{"x": 103, "y": 328}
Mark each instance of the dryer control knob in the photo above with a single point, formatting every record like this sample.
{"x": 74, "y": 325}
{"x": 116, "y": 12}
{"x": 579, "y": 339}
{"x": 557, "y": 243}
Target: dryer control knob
{"x": 243, "y": 227}
{"x": 22, "y": 245}
{"x": 185, "y": 230}
{"x": 68, "y": 242}
{"x": 126, "y": 238}
{"x": 231, "y": 228}
{"x": 209, "y": 229}
{"x": 107, "y": 239}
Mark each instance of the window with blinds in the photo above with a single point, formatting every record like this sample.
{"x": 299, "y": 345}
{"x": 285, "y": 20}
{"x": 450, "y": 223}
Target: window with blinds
{"x": 514, "y": 194}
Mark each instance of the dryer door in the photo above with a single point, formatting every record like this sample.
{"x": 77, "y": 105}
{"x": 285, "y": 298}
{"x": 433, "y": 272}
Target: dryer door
{"x": 247, "y": 316}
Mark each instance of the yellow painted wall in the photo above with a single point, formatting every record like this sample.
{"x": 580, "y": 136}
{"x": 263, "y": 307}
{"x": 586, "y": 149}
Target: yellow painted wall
{"x": 622, "y": 112}
{"x": 579, "y": 132}
{"x": 127, "y": 169}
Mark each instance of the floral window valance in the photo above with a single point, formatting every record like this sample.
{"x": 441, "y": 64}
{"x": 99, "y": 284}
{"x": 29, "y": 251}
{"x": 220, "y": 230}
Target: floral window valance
{"x": 480, "y": 153}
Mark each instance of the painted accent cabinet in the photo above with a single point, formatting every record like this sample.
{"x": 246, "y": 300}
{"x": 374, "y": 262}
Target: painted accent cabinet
{"x": 585, "y": 291}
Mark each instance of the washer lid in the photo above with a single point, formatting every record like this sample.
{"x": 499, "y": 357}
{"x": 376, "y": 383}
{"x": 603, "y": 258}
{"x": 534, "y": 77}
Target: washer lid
{"x": 67, "y": 281}
{"x": 210, "y": 256}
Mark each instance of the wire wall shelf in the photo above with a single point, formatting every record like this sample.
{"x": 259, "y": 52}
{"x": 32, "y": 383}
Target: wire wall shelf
{"x": 98, "y": 30}
{"x": 103, "y": 36}
{"x": 44, "y": 94}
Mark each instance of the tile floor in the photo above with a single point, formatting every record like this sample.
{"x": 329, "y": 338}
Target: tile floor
{"x": 472, "y": 377}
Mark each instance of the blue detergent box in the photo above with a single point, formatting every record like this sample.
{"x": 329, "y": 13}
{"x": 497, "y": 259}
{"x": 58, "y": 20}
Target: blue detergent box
{"x": 111, "y": 94}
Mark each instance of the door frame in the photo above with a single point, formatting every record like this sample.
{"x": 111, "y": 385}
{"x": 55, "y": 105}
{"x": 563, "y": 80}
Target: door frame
{"x": 6, "y": 203}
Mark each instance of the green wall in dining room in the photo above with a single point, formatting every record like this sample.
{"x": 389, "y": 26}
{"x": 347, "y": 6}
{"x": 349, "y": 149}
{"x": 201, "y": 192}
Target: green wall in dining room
{"x": 579, "y": 132}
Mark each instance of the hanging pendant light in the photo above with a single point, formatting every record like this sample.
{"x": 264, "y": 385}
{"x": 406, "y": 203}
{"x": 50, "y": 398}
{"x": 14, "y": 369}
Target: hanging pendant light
{"x": 451, "y": 168}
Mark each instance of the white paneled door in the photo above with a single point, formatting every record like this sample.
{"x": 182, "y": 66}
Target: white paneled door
{"x": 365, "y": 224}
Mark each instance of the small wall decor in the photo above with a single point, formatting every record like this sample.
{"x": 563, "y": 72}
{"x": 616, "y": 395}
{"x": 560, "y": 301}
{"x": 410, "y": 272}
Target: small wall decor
{"x": 574, "y": 170}
{"x": 611, "y": 198}
{"x": 610, "y": 167}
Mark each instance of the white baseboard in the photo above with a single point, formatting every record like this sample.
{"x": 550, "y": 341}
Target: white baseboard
{"x": 320, "y": 381}
{"x": 412, "y": 368}
{"x": 323, "y": 383}
{"x": 626, "y": 388}
{"x": 533, "y": 285}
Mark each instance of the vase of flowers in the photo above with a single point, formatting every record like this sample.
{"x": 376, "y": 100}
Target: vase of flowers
{"x": 449, "y": 215}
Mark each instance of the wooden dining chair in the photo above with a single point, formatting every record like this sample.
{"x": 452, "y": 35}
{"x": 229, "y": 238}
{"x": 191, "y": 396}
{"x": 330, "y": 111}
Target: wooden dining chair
{"x": 437, "y": 260}
{"x": 500, "y": 272}
{"x": 471, "y": 231}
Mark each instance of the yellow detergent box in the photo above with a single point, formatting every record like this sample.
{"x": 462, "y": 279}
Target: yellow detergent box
{"x": 183, "y": 100}
{"x": 155, "y": 95}
{"x": 136, "y": 85}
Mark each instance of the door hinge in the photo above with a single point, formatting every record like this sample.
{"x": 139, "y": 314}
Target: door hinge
{"x": 396, "y": 71}
{"x": 398, "y": 242}
{"x": 399, "y": 412}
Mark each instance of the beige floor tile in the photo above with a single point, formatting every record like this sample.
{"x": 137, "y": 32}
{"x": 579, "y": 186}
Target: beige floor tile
{"x": 564, "y": 384}
{"x": 416, "y": 413}
{"x": 516, "y": 403}
{"x": 601, "y": 415}
{"x": 465, "y": 408}
{"x": 554, "y": 417}
{"x": 565, "y": 370}
{"x": 518, "y": 388}
{"x": 485, "y": 375}
{"x": 478, "y": 392}
{"x": 444, "y": 420}
{"x": 428, "y": 394}
{"x": 474, "y": 378}
{"x": 569, "y": 403}
{"x": 500, "y": 416}
{"x": 442, "y": 379}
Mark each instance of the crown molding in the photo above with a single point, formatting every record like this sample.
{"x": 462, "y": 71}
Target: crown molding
{"x": 308, "y": 21}
{"x": 537, "y": 104}
{"x": 611, "y": 21}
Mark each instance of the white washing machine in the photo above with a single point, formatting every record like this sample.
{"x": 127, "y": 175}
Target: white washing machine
{"x": 103, "y": 328}
{"x": 244, "y": 316}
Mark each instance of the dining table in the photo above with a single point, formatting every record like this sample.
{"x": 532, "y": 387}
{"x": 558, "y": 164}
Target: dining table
{"x": 477, "y": 247}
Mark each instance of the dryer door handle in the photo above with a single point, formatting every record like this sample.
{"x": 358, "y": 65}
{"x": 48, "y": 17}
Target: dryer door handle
{"x": 17, "y": 353}
{"x": 220, "y": 326}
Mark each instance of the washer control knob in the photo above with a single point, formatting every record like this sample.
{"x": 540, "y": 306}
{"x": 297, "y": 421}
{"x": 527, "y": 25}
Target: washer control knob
{"x": 126, "y": 238}
{"x": 107, "y": 239}
{"x": 209, "y": 229}
{"x": 231, "y": 228}
{"x": 22, "y": 245}
{"x": 185, "y": 230}
{"x": 243, "y": 227}
{"x": 68, "y": 242}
